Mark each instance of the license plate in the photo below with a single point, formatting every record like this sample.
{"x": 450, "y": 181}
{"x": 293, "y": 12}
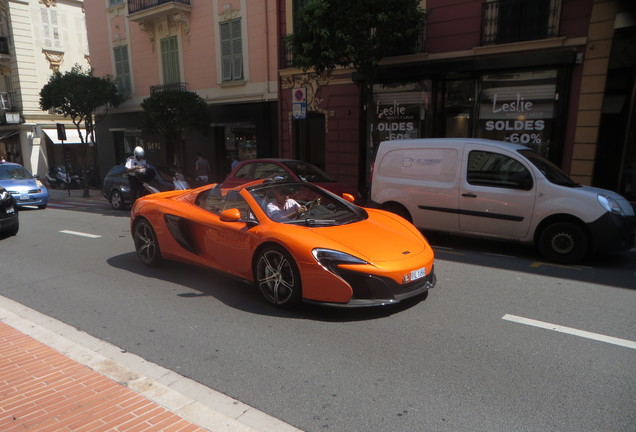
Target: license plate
{"x": 10, "y": 210}
{"x": 418, "y": 274}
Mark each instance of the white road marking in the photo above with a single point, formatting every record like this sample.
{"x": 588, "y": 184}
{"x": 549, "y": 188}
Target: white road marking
{"x": 572, "y": 331}
{"x": 81, "y": 234}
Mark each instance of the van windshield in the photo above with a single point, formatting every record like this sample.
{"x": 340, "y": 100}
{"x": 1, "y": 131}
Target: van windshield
{"x": 549, "y": 170}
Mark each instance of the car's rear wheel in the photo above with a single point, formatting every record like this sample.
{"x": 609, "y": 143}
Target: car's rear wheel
{"x": 277, "y": 277}
{"x": 116, "y": 200}
{"x": 146, "y": 243}
{"x": 563, "y": 242}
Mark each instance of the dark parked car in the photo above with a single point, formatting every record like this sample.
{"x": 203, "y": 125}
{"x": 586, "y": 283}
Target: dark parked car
{"x": 27, "y": 189}
{"x": 116, "y": 187}
{"x": 288, "y": 169}
{"x": 9, "y": 222}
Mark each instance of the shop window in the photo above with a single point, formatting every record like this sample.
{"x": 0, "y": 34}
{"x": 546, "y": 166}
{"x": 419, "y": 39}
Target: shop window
{"x": 459, "y": 97}
{"x": 519, "y": 107}
{"x": 401, "y": 111}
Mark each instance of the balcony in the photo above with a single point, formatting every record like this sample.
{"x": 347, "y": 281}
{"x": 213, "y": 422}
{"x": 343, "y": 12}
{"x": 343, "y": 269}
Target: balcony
{"x": 154, "y": 10}
{"x": 170, "y": 86}
{"x": 506, "y": 21}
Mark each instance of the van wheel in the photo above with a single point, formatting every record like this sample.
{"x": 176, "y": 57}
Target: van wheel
{"x": 563, "y": 242}
{"x": 398, "y": 210}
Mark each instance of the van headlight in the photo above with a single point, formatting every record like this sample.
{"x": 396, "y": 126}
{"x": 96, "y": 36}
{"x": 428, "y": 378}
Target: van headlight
{"x": 4, "y": 195}
{"x": 610, "y": 204}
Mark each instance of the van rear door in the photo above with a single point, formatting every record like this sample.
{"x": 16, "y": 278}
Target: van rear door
{"x": 497, "y": 193}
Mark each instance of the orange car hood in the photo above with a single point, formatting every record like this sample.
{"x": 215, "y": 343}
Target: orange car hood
{"x": 379, "y": 237}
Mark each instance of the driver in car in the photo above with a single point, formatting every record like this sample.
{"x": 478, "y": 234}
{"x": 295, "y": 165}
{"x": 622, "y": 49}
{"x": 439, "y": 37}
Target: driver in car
{"x": 282, "y": 207}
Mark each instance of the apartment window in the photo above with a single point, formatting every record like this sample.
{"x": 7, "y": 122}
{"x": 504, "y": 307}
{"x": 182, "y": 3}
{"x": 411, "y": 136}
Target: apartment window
{"x": 231, "y": 50}
{"x": 122, "y": 70}
{"x": 170, "y": 60}
{"x": 112, "y": 3}
{"x": 50, "y": 28}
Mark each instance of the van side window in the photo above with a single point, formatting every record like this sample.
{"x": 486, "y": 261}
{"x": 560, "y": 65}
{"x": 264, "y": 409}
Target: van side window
{"x": 497, "y": 170}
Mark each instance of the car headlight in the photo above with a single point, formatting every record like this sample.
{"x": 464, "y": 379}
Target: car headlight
{"x": 610, "y": 204}
{"x": 330, "y": 259}
{"x": 4, "y": 195}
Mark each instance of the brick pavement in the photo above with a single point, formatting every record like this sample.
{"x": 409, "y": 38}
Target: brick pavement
{"x": 43, "y": 390}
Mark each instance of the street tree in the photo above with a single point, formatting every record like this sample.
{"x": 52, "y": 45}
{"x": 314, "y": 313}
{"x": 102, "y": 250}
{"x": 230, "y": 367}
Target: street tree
{"x": 169, "y": 113}
{"x": 355, "y": 34}
{"x": 83, "y": 97}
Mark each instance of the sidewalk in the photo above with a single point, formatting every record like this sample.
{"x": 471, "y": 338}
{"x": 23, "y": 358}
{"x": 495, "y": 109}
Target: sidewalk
{"x": 54, "y": 378}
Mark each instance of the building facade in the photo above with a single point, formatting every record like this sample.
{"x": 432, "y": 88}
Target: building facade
{"x": 556, "y": 75}
{"x": 37, "y": 38}
{"x": 225, "y": 51}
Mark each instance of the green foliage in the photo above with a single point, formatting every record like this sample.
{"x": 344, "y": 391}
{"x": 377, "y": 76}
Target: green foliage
{"x": 170, "y": 112}
{"x": 79, "y": 94}
{"x": 354, "y": 33}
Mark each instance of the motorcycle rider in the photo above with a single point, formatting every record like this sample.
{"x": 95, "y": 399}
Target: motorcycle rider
{"x": 136, "y": 166}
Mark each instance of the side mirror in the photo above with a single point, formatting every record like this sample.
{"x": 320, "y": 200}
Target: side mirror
{"x": 231, "y": 215}
{"x": 348, "y": 197}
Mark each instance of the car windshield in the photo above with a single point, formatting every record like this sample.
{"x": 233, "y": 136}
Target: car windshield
{"x": 308, "y": 172}
{"x": 548, "y": 169}
{"x": 306, "y": 204}
{"x": 14, "y": 172}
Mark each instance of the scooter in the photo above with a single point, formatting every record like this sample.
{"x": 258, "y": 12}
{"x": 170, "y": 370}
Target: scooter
{"x": 154, "y": 183}
{"x": 59, "y": 177}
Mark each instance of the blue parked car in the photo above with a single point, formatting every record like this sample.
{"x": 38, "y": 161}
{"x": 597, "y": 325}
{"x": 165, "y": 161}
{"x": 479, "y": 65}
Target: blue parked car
{"x": 26, "y": 189}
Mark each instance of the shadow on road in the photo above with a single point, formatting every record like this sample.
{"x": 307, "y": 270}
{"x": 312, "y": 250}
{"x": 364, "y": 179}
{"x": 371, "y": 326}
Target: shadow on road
{"x": 615, "y": 269}
{"x": 244, "y": 296}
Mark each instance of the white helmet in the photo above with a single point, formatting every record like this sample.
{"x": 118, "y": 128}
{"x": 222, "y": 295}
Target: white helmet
{"x": 139, "y": 152}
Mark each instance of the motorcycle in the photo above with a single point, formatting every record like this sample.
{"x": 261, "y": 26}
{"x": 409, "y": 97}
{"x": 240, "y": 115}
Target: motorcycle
{"x": 155, "y": 182}
{"x": 60, "y": 177}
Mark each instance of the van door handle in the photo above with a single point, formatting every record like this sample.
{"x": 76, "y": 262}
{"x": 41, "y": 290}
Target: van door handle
{"x": 469, "y": 195}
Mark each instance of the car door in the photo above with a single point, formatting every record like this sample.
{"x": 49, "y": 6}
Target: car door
{"x": 497, "y": 193}
{"x": 230, "y": 244}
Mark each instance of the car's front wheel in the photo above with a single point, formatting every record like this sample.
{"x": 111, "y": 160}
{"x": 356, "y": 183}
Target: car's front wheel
{"x": 277, "y": 277}
{"x": 116, "y": 200}
{"x": 563, "y": 242}
{"x": 146, "y": 243}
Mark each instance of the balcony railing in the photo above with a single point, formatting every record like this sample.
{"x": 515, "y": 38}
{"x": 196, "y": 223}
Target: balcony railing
{"x": 505, "y": 21}
{"x": 140, "y": 5}
{"x": 169, "y": 86}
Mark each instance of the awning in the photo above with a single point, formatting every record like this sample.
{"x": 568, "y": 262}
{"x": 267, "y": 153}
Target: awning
{"x": 7, "y": 134}
{"x": 72, "y": 136}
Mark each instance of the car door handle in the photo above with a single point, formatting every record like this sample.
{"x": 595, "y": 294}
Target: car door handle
{"x": 469, "y": 195}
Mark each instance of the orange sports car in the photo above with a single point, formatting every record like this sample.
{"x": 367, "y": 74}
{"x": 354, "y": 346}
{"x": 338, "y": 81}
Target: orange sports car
{"x": 294, "y": 241}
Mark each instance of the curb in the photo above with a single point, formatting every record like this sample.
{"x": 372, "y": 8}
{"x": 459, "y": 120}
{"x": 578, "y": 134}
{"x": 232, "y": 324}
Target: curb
{"x": 188, "y": 399}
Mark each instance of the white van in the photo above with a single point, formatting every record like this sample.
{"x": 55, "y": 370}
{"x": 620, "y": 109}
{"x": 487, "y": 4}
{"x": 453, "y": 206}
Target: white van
{"x": 499, "y": 190}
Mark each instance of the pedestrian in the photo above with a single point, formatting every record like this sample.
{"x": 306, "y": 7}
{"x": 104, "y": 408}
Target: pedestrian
{"x": 202, "y": 169}
{"x": 234, "y": 162}
{"x": 136, "y": 167}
